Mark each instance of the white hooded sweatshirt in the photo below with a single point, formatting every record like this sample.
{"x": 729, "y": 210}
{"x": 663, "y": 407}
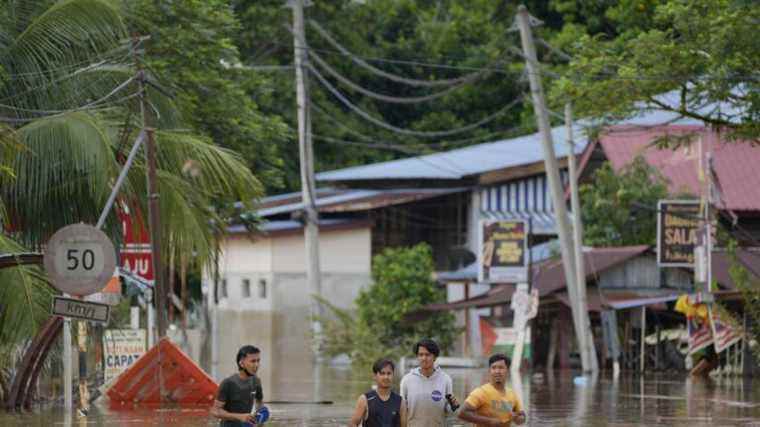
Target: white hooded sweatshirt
{"x": 426, "y": 397}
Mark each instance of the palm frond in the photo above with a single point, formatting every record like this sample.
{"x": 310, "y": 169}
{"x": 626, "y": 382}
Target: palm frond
{"x": 25, "y": 299}
{"x": 194, "y": 176}
{"x": 63, "y": 174}
{"x": 68, "y": 32}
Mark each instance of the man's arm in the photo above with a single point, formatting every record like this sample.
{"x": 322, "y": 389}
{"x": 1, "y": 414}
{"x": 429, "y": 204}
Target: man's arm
{"x": 467, "y": 413}
{"x": 359, "y": 411}
{"x": 218, "y": 411}
{"x": 519, "y": 417}
{"x": 402, "y": 412}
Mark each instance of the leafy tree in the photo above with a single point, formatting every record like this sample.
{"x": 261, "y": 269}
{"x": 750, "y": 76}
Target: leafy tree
{"x": 193, "y": 48}
{"x": 402, "y": 284}
{"x": 68, "y": 116}
{"x": 704, "y": 51}
{"x": 399, "y": 37}
{"x": 616, "y": 207}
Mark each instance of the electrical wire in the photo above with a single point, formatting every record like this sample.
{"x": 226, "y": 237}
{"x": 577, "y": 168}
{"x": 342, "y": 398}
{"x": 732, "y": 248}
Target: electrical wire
{"x": 390, "y": 76}
{"x": 513, "y": 131}
{"x": 86, "y": 106}
{"x": 394, "y": 99}
{"x": 387, "y": 126}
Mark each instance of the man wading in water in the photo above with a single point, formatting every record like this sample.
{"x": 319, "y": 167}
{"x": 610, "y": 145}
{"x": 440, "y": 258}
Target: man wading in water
{"x": 494, "y": 404}
{"x": 426, "y": 389}
{"x": 381, "y": 407}
{"x": 237, "y": 393}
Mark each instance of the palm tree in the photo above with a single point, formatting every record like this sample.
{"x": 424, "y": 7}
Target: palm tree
{"x": 69, "y": 111}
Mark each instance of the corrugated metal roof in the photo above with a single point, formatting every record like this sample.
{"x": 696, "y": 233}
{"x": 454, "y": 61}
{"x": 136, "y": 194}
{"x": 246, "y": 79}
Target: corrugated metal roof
{"x": 549, "y": 276}
{"x": 523, "y": 150}
{"x": 269, "y": 227}
{"x": 735, "y": 162}
{"x": 351, "y": 200}
{"x": 463, "y": 162}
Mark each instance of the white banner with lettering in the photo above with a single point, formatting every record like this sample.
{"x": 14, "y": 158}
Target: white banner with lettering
{"x": 121, "y": 349}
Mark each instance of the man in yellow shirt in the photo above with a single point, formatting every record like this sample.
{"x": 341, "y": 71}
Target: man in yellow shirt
{"x": 493, "y": 404}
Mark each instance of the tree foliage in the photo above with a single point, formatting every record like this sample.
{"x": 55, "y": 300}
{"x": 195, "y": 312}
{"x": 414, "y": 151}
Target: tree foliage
{"x": 701, "y": 52}
{"x": 69, "y": 114}
{"x": 402, "y": 284}
{"x": 193, "y": 48}
{"x": 617, "y": 208}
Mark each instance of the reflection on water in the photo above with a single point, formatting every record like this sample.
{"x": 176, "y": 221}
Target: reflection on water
{"x": 555, "y": 399}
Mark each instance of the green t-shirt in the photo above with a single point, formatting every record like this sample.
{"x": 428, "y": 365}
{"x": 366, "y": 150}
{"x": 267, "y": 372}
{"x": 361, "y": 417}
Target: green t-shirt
{"x": 238, "y": 396}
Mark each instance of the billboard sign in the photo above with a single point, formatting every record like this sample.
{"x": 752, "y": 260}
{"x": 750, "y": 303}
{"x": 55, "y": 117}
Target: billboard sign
{"x": 502, "y": 255}
{"x": 122, "y": 348}
{"x": 678, "y": 224}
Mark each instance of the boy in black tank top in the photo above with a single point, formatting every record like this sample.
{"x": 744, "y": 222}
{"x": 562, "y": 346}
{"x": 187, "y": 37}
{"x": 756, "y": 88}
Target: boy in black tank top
{"x": 381, "y": 407}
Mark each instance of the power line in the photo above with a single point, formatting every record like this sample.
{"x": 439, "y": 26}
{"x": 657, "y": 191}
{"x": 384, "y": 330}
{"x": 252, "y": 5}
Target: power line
{"x": 513, "y": 131}
{"x": 385, "y": 125}
{"x": 399, "y": 79}
{"x": 393, "y": 99}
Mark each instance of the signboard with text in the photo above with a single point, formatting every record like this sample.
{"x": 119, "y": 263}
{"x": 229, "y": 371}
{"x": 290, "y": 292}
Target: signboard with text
{"x": 78, "y": 309}
{"x": 677, "y": 230}
{"x": 121, "y": 348}
{"x": 79, "y": 259}
{"x": 135, "y": 254}
{"x": 502, "y": 255}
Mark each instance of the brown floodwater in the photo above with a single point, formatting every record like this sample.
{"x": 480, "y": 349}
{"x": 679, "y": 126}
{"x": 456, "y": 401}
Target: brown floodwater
{"x": 554, "y": 400}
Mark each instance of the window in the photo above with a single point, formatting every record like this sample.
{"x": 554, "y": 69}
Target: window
{"x": 262, "y": 288}
{"x": 246, "y": 288}
{"x": 224, "y": 288}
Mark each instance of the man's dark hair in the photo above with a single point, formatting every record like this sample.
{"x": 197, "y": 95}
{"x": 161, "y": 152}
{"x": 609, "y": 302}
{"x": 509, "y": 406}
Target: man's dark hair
{"x": 245, "y": 351}
{"x": 429, "y": 344}
{"x": 497, "y": 357}
{"x": 382, "y": 363}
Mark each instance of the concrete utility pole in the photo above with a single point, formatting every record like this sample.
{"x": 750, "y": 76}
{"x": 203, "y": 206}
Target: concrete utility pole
{"x": 580, "y": 268}
{"x": 154, "y": 217}
{"x": 306, "y": 154}
{"x": 552, "y": 173}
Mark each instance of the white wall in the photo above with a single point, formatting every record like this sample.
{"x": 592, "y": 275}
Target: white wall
{"x": 279, "y": 323}
{"x": 342, "y": 251}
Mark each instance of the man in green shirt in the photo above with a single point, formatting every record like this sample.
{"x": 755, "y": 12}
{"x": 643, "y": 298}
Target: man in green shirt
{"x": 237, "y": 393}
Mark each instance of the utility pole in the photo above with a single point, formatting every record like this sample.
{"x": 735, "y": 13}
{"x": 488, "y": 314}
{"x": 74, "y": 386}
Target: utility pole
{"x": 552, "y": 173}
{"x": 306, "y": 155}
{"x": 575, "y": 203}
{"x": 154, "y": 217}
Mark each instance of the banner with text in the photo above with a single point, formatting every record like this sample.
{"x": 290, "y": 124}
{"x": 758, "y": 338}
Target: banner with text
{"x": 121, "y": 349}
{"x": 502, "y": 253}
{"x": 678, "y": 224}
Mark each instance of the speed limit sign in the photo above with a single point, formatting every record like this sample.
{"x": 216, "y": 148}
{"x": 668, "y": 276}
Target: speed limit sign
{"x": 80, "y": 259}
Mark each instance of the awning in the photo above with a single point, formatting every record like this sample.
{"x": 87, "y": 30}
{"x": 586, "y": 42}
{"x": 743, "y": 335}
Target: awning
{"x": 543, "y": 222}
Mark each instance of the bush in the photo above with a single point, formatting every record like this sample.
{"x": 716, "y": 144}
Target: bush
{"x": 402, "y": 284}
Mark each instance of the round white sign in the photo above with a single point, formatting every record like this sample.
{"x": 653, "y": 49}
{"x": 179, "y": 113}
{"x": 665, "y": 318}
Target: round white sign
{"x": 80, "y": 259}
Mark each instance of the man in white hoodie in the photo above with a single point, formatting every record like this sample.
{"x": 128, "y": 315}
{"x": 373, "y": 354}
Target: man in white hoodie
{"x": 425, "y": 389}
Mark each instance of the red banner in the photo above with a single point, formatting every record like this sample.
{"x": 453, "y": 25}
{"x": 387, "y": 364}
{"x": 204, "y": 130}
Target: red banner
{"x": 136, "y": 251}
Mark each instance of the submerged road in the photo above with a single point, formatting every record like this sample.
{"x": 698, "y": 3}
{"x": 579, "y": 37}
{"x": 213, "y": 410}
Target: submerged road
{"x": 554, "y": 400}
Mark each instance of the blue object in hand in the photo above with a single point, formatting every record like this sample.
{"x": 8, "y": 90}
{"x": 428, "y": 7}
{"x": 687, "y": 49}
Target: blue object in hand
{"x": 262, "y": 415}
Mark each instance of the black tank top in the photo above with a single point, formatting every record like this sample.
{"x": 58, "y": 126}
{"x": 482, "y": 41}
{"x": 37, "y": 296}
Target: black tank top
{"x": 382, "y": 413}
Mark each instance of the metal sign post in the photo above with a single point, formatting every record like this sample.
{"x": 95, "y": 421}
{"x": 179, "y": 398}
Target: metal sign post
{"x": 80, "y": 260}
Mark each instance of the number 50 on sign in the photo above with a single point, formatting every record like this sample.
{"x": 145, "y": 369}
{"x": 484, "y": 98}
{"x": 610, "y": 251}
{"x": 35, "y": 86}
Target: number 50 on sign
{"x": 80, "y": 259}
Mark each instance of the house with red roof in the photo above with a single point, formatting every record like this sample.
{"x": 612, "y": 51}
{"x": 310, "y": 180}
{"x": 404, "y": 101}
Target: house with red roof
{"x": 734, "y": 167}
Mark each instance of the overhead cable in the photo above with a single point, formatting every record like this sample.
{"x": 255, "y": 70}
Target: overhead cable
{"x": 390, "y": 76}
{"x": 88, "y": 105}
{"x": 388, "y": 126}
{"x": 393, "y": 99}
{"x": 517, "y": 130}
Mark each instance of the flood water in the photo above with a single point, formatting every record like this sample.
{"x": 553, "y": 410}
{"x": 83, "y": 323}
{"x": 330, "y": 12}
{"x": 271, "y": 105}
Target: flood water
{"x": 554, "y": 400}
